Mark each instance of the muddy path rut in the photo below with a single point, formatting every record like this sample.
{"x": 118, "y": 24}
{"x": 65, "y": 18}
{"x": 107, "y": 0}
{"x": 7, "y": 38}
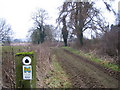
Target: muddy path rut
{"x": 83, "y": 74}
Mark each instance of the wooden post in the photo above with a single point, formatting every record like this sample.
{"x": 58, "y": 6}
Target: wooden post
{"x": 25, "y": 70}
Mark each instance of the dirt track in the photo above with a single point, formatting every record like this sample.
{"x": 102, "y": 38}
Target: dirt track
{"x": 84, "y": 74}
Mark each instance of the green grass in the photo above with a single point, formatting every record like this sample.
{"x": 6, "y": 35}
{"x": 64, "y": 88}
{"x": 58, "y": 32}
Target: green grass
{"x": 10, "y": 51}
{"x": 94, "y": 59}
{"x": 57, "y": 78}
{"x": 14, "y": 49}
{"x": 25, "y": 53}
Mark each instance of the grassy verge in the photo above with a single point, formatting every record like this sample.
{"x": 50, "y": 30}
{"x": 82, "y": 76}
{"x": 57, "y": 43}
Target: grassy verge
{"x": 57, "y": 78}
{"x": 12, "y": 48}
{"x": 94, "y": 59}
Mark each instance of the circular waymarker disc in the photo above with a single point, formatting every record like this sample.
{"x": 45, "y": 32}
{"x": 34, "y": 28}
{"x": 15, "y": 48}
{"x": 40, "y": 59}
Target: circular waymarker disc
{"x": 26, "y": 60}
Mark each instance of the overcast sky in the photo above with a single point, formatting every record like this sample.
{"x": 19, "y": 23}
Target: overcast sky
{"x": 18, "y": 13}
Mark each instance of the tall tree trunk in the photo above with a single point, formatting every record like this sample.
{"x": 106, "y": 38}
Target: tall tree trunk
{"x": 65, "y": 36}
{"x": 65, "y": 42}
{"x": 79, "y": 24}
{"x": 64, "y": 31}
{"x": 81, "y": 38}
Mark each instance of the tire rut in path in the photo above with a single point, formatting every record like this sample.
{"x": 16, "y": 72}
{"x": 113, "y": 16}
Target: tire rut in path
{"x": 110, "y": 72}
{"x": 80, "y": 74}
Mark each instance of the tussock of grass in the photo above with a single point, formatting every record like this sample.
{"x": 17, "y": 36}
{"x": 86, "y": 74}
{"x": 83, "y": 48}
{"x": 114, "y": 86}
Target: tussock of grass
{"x": 57, "y": 78}
{"x": 94, "y": 59}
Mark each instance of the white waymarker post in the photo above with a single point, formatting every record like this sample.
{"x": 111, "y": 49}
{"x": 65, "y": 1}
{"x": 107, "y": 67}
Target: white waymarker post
{"x": 27, "y": 68}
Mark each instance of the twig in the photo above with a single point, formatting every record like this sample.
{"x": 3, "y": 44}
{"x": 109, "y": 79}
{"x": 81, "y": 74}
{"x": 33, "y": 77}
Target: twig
{"x": 9, "y": 77}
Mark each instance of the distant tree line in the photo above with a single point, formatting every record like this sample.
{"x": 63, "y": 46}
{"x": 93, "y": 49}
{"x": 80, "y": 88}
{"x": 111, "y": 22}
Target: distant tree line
{"x": 77, "y": 17}
{"x": 41, "y": 32}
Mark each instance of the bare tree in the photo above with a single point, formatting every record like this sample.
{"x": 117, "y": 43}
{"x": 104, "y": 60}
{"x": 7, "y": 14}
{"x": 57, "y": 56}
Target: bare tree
{"x": 49, "y": 31}
{"x": 39, "y": 17}
{"x": 5, "y": 30}
{"x": 109, "y": 6}
{"x": 82, "y": 16}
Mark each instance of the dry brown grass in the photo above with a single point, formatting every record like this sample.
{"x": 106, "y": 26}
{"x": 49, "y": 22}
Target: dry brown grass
{"x": 43, "y": 62}
{"x": 8, "y": 66}
{"x": 42, "y": 52}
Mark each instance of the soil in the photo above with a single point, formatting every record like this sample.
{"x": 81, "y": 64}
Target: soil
{"x": 84, "y": 73}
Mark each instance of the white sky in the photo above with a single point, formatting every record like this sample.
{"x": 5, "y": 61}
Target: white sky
{"x": 18, "y": 13}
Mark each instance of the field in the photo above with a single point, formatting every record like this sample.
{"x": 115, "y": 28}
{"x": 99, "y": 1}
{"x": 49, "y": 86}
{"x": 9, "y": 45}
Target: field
{"x": 8, "y": 65}
{"x": 61, "y": 67}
